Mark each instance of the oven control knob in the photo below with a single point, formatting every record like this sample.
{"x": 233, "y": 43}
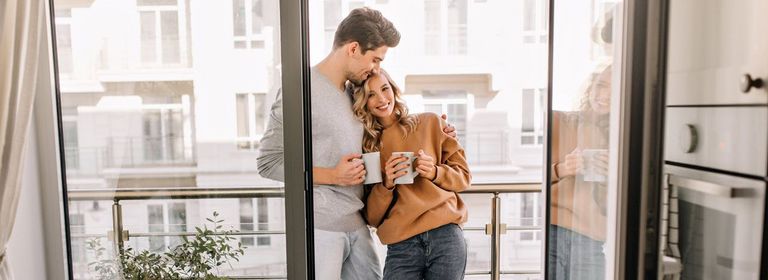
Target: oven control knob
{"x": 688, "y": 139}
{"x": 747, "y": 83}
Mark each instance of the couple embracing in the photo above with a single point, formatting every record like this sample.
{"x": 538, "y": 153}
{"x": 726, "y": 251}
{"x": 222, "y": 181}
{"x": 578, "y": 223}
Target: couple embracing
{"x": 357, "y": 108}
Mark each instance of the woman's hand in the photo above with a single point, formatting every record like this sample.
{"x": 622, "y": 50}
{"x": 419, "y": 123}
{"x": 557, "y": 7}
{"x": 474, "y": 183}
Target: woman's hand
{"x": 571, "y": 165}
{"x": 449, "y": 129}
{"x": 393, "y": 169}
{"x": 425, "y": 166}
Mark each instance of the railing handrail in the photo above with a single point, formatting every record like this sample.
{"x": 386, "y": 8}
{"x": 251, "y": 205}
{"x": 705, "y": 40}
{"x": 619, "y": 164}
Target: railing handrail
{"x": 503, "y": 188}
{"x": 187, "y": 233}
{"x": 249, "y": 192}
{"x": 172, "y": 193}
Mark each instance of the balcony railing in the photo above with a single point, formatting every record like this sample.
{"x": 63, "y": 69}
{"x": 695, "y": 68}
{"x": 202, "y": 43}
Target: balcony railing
{"x": 128, "y": 152}
{"x": 118, "y": 235}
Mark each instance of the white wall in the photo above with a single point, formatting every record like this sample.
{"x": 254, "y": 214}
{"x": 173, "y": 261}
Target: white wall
{"x": 26, "y": 250}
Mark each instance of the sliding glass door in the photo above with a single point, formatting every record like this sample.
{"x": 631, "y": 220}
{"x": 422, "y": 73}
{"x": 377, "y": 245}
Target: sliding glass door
{"x": 456, "y": 57}
{"x": 584, "y": 133}
{"x": 163, "y": 105}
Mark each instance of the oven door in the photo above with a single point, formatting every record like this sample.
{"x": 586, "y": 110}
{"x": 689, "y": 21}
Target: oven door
{"x": 714, "y": 224}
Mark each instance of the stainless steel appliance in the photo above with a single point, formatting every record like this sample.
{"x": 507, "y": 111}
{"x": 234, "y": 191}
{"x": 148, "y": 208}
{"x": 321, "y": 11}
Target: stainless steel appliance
{"x": 714, "y": 191}
{"x": 716, "y": 141}
{"x": 715, "y": 224}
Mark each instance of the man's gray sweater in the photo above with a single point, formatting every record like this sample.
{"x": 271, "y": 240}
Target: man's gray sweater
{"x": 335, "y": 133}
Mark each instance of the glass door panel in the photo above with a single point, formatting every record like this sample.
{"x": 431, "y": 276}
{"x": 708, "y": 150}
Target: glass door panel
{"x": 164, "y": 104}
{"x": 492, "y": 93}
{"x": 584, "y": 128}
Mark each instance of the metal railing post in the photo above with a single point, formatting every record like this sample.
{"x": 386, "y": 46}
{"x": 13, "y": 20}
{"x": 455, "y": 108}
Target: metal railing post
{"x": 495, "y": 229}
{"x": 117, "y": 227}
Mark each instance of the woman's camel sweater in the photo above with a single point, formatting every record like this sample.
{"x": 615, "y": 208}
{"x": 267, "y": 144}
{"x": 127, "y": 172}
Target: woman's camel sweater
{"x": 425, "y": 204}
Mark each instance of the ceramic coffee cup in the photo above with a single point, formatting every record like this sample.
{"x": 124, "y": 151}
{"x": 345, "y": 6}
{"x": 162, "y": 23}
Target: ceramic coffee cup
{"x": 411, "y": 173}
{"x": 372, "y": 162}
{"x": 590, "y": 170}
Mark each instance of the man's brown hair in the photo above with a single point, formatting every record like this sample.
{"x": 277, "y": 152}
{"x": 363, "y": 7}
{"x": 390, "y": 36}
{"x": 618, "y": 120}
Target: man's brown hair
{"x": 369, "y": 28}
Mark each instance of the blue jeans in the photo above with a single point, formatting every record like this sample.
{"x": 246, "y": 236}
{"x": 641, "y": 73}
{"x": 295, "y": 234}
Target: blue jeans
{"x": 440, "y": 253}
{"x": 346, "y": 255}
{"x": 573, "y": 256}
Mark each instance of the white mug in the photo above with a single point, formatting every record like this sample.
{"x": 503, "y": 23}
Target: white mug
{"x": 589, "y": 171}
{"x": 411, "y": 174}
{"x": 372, "y": 162}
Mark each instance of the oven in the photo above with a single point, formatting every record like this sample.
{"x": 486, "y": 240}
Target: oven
{"x": 713, "y": 198}
{"x": 715, "y": 224}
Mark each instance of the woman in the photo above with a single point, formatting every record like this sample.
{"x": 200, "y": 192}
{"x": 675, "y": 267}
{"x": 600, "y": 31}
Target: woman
{"x": 421, "y": 226}
{"x": 579, "y": 179}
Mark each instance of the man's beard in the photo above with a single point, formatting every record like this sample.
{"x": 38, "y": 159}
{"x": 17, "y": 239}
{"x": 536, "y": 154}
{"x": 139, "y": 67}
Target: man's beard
{"x": 357, "y": 81}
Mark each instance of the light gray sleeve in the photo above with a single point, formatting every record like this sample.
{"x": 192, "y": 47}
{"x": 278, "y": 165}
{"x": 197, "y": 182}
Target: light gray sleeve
{"x": 270, "y": 161}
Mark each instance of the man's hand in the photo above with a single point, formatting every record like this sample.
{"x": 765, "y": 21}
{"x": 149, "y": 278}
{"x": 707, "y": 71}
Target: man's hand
{"x": 425, "y": 166}
{"x": 350, "y": 171}
{"x": 449, "y": 129}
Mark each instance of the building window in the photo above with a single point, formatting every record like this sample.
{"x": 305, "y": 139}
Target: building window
{"x": 248, "y": 22}
{"x": 445, "y": 24}
{"x": 262, "y": 208}
{"x": 71, "y": 143}
{"x": 432, "y": 27}
{"x": 451, "y": 103}
{"x": 529, "y": 216}
{"x": 457, "y": 27}
{"x": 531, "y": 128}
{"x": 77, "y": 226}
{"x": 64, "y": 40}
{"x": 331, "y": 20}
{"x": 251, "y": 119}
{"x": 161, "y": 34}
{"x": 156, "y": 220}
{"x": 162, "y": 141}
{"x": 246, "y": 220}
{"x": 176, "y": 222}
{"x": 535, "y": 21}
{"x": 261, "y": 223}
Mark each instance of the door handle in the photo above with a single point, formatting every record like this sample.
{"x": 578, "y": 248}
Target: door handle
{"x": 700, "y": 186}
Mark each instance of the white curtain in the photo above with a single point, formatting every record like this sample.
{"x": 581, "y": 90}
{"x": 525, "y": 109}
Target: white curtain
{"x": 22, "y": 25}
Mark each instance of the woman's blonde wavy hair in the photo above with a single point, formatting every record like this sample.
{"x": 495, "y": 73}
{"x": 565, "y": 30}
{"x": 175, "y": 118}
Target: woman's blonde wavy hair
{"x": 373, "y": 129}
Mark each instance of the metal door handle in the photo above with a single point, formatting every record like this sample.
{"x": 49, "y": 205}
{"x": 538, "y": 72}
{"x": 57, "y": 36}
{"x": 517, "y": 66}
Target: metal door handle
{"x": 747, "y": 83}
{"x": 700, "y": 186}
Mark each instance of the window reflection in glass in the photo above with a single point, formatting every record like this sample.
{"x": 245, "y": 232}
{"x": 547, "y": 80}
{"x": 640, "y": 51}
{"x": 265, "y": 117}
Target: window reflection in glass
{"x": 582, "y": 117}
{"x": 137, "y": 114}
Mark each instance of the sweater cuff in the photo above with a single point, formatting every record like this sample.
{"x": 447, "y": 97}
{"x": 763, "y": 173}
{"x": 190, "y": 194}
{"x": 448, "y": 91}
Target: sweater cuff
{"x": 437, "y": 180}
{"x": 383, "y": 190}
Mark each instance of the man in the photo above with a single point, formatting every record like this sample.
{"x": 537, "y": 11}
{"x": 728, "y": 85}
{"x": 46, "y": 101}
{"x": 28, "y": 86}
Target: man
{"x": 344, "y": 248}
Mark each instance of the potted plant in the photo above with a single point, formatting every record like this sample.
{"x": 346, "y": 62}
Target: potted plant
{"x": 198, "y": 257}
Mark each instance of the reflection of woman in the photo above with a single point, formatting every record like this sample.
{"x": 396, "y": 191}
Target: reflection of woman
{"x": 579, "y": 175}
{"x": 422, "y": 226}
